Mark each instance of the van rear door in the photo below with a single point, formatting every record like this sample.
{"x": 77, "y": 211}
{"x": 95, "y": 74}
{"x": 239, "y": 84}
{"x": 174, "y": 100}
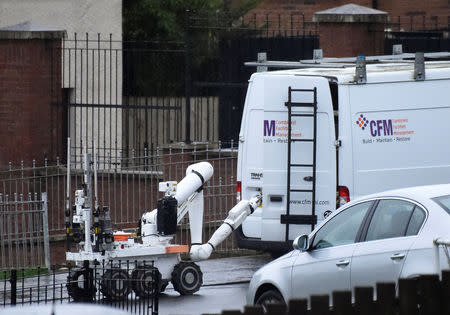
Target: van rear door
{"x": 277, "y": 224}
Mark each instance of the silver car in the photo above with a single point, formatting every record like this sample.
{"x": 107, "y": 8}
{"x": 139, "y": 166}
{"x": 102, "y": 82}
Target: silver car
{"x": 378, "y": 238}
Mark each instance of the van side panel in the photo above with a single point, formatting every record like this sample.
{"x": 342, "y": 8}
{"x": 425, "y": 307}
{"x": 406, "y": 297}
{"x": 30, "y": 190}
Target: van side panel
{"x": 401, "y": 138}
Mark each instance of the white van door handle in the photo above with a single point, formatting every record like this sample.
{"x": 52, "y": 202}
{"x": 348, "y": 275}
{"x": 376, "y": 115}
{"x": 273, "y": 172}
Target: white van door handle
{"x": 398, "y": 256}
{"x": 343, "y": 263}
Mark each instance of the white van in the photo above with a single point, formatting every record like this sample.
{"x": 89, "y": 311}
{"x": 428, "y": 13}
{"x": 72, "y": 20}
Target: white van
{"x": 355, "y": 130}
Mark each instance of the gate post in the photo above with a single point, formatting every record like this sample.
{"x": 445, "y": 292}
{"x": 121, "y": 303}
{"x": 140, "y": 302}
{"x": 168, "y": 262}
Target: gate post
{"x": 13, "y": 281}
{"x": 45, "y": 228}
{"x": 187, "y": 78}
{"x": 351, "y": 30}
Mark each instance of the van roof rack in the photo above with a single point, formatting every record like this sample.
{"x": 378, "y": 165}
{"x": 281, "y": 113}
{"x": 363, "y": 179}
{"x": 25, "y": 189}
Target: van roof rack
{"x": 359, "y": 62}
{"x": 341, "y": 62}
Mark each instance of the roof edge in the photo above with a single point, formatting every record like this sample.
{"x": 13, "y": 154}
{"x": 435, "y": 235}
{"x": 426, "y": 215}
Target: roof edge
{"x": 8, "y": 34}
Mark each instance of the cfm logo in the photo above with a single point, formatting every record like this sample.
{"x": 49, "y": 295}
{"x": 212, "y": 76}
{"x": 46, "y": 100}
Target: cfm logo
{"x": 362, "y": 122}
{"x": 380, "y": 127}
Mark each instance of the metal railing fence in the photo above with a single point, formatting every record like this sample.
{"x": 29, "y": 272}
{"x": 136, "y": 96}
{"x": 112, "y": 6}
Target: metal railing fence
{"x": 129, "y": 185}
{"x": 90, "y": 284}
{"x": 24, "y": 236}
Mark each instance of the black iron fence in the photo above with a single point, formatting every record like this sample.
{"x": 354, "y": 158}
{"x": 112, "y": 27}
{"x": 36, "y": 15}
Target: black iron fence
{"x": 418, "y": 23}
{"x": 128, "y": 186}
{"x": 24, "y": 232}
{"x": 127, "y": 285}
{"x": 412, "y": 42}
{"x": 138, "y": 95}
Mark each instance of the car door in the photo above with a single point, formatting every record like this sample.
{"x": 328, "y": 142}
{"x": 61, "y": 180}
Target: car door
{"x": 386, "y": 239}
{"x": 325, "y": 267}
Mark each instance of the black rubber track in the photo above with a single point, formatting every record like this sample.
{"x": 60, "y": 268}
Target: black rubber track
{"x": 77, "y": 293}
{"x": 115, "y": 284}
{"x": 144, "y": 281}
{"x": 187, "y": 278}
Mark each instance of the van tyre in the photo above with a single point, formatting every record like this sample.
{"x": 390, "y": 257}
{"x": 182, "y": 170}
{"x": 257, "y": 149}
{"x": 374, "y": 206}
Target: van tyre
{"x": 269, "y": 297}
{"x": 75, "y": 286}
{"x": 187, "y": 278}
{"x": 115, "y": 284}
{"x": 145, "y": 281}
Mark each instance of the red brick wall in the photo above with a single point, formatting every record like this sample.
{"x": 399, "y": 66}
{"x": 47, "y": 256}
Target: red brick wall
{"x": 307, "y": 7}
{"x": 395, "y": 8}
{"x": 30, "y": 94}
{"x": 351, "y": 39}
{"x": 429, "y": 8}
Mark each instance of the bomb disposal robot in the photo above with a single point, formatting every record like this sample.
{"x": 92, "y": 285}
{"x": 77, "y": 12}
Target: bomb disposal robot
{"x": 97, "y": 241}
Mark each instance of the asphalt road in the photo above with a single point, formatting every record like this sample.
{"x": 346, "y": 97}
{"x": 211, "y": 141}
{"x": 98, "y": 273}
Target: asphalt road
{"x": 210, "y": 299}
{"x": 225, "y": 283}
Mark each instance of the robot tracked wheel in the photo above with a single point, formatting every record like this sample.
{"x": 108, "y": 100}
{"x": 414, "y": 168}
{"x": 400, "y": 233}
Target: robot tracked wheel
{"x": 187, "y": 278}
{"x": 79, "y": 293}
{"x": 115, "y": 284}
{"x": 143, "y": 281}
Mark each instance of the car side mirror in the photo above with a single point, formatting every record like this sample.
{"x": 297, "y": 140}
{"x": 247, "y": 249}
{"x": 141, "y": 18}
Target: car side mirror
{"x": 301, "y": 243}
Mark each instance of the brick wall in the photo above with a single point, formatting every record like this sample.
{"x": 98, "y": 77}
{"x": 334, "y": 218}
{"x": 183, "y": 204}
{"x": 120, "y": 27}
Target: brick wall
{"x": 429, "y": 8}
{"x": 351, "y": 39}
{"x": 436, "y": 12}
{"x": 30, "y": 95}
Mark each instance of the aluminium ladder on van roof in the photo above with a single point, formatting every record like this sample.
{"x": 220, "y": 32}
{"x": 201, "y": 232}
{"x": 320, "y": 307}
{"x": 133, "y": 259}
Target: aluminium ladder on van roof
{"x": 289, "y": 218}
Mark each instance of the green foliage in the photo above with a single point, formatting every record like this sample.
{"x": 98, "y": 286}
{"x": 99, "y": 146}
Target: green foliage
{"x": 165, "y": 19}
{"x": 161, "y": 19}
{"x": 156, "y": 67}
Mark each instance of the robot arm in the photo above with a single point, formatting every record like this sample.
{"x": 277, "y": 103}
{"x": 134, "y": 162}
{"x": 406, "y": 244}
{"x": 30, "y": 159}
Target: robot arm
{"x": 235, "y": 218}
{"x": 187, "y": 197}
{"x": 180, "y": 198}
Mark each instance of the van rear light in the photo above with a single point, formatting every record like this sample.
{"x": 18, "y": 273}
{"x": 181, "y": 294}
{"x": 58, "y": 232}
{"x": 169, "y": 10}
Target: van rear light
{"x": 238, "y": 191}
{"x": 343, "y": 195}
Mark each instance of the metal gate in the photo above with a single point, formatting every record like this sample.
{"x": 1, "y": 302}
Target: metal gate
{"x": 24, "y": 240}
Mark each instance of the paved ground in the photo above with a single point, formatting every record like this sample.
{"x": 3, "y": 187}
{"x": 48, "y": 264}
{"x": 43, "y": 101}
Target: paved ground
{"x": 225, "y": 283}
{"x": 209, "y": 300}
{"x": 225, "y": 287}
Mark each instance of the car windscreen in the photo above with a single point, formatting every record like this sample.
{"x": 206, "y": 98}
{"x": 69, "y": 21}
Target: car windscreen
{"x": 444, "y": 202}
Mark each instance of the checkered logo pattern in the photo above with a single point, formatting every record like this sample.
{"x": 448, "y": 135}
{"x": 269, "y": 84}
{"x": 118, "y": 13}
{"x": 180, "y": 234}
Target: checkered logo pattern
{"x": 362, "y": 122}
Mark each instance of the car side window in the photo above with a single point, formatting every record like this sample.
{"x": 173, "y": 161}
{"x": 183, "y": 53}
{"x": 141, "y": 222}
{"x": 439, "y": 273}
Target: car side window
{"x": 391, "y": 219}
{"x": 416, "y": 221}
{"x": 342, "y": 228}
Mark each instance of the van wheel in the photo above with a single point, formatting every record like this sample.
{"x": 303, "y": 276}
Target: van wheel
{"x": 269, "y": 297}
